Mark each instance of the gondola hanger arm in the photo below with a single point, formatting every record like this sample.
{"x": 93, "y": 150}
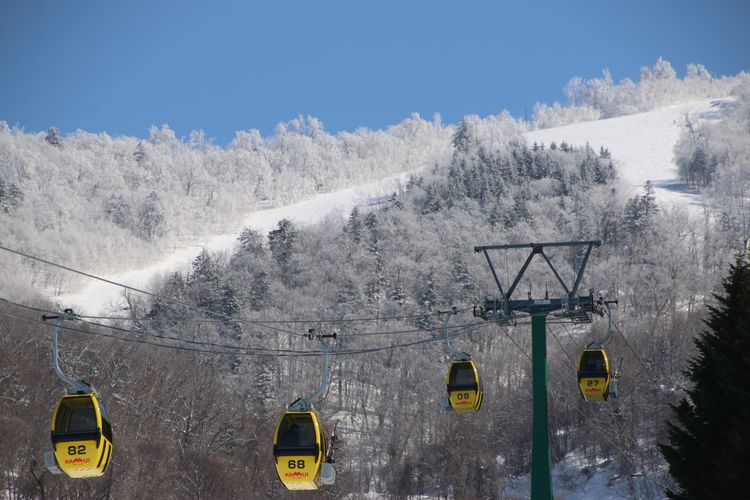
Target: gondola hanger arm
{"x": 306, "y": 403}
{"x": 457, "y": 355}
{"x": 76, "y": 386}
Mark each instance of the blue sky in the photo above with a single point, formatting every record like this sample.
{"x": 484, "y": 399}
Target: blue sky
{"x": 222, "y": 66}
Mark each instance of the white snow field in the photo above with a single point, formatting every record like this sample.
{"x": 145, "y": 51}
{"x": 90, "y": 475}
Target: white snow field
{"x": 641, "y": 145}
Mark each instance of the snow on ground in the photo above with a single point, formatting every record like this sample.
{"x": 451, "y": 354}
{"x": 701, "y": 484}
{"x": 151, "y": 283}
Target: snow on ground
{"x": 640, "y": 144}
{"x": 577, "y": 479}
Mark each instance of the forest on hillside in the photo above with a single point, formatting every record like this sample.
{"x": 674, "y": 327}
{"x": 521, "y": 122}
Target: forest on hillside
{"x": 191, "y": 424}
{"x": 104, "y": 203}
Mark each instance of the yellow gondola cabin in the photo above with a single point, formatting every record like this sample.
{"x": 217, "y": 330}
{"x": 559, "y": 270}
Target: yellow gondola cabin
{"x": 594, "y": 376}
{"x": 81, "y": 436}
{"x": 464, "y": 389}
{"x": 300, "y": 450}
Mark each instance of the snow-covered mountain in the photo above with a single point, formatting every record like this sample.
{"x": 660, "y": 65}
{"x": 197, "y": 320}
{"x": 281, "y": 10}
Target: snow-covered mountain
{"x": 641, "y": 144}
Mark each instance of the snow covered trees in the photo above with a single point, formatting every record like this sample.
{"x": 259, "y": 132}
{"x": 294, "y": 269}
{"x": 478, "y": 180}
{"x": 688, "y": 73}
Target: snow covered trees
{"x": 714, "y": 156}
{"x": 659, "y": 85}
{"x": 201, "y": 188}
{"x": 709, "y": 446}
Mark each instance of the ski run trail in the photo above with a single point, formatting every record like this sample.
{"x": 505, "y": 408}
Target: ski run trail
{"x": 642, "y": 148}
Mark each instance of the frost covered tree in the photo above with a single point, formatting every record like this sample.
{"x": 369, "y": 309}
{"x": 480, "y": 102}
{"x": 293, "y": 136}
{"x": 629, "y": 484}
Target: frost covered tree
{"x": 398, "y": 292}
{"x": 139, "y": 154}
{"x": 709, "y": 438}
{"x": 640, "y": 211}
{"x": 151, "y": 216}
{"x": 53, "y": 138}
{"x": 281, "y": 241}
{"x": 251, "y": 242}
{"x": 354, "y": 226}
{"x": 11, "y": 197}
{"x": 260, "y": 291}
{"x": 118, "y": 211}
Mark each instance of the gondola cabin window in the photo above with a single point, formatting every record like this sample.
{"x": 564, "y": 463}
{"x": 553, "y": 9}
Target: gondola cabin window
{"x": 463, "y": 376}
{"x": 76, "y": 415}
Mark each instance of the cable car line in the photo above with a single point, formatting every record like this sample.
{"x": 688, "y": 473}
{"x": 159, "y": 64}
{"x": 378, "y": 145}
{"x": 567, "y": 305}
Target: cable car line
{"x": 507, "y": 334}
{"x": 220, "y": 317}
{"x": 554, "y": 335}
{"x": 127, "y": 287}
{"x": 247, "y": 351}
{"x": 138, "y": 332}
{"x": 82, "y": 273}
{"x": 281, "y": 330}
{"x": 343, "y": 335}
{"x": 279, "y": 321}
{"x": 239, "y": 350}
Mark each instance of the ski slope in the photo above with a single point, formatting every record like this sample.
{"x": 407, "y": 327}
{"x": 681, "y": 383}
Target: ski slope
{"x": 100, "y": 297}
{"x": 640, "y": 144}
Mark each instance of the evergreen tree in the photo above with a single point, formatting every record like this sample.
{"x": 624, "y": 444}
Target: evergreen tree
{"x": 118, "y": 211}
{"x": 251, "y": 242}
{"x": 139, "y": 154}
{"x": 428, "y": 300}
{"x": 164, "y": 309}
{"x": 11, "y": 197}
{"x": 152, "y": 216}
{"x": 348, "y": 298}
{"x": 281, "y": 241}
{"x": 371, "y": 222}
{"x": 205, "y": 268}
{"x": 461, "y": 278}
{"x": 260, "y": 291}
{"x": 640, "y": 211}
{"x": 462, "y": 139}
{"x": 231, "y": 302}
{"x": 353, "y": 227}
{"x": 709, "y": 448}
{"x": 53, "y": 138}
{"x": 398, "y": 293}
